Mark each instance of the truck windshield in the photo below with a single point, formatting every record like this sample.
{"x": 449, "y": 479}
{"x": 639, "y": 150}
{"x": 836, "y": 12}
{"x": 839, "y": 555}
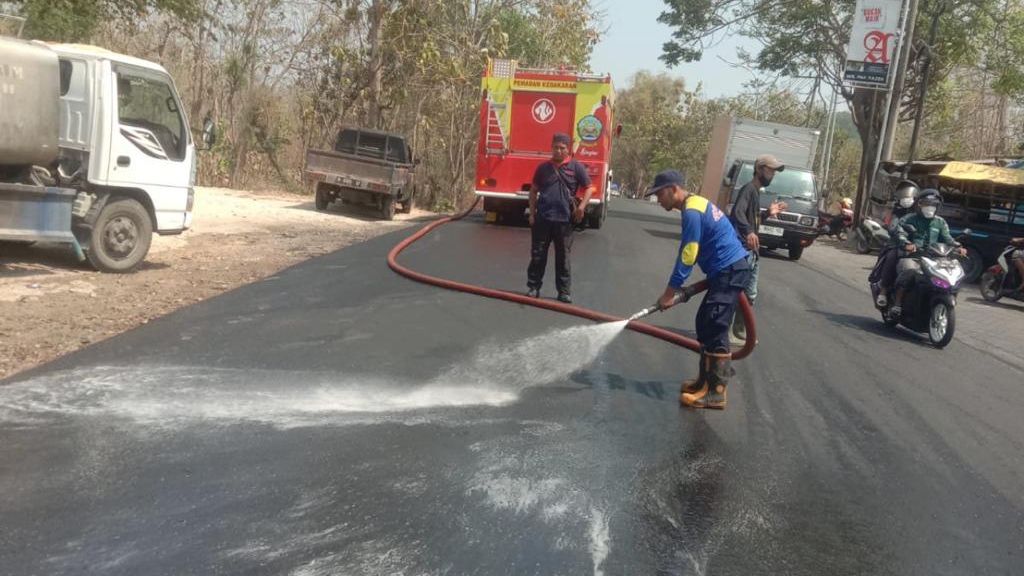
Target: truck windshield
{"x": 791, "y": 182}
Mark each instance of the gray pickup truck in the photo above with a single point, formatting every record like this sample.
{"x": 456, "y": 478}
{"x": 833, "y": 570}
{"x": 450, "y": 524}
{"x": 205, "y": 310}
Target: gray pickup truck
{"x": 366, "y": 167}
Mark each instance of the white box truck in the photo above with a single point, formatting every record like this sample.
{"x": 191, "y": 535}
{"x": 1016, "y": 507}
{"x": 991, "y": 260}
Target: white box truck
{"x": 735, "y": 143}
{"x": 95, "y": 151}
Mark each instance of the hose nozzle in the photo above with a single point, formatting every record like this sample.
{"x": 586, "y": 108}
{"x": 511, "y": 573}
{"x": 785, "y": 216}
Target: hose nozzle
{"x": 685, "y": 294}
{"x": 645, "y": 312}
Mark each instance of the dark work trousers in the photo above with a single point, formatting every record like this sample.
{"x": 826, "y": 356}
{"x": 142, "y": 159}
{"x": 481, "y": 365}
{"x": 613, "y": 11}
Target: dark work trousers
{"x": 719, "y": 305}
{"x": 544, "y": 234}
{"x": 884, "y": 272}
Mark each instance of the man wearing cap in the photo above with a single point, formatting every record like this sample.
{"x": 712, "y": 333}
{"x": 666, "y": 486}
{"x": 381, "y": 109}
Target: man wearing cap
{"x": 710, "y": 240}
{"x": 746, "y": 217}
{"x": 553, "y": 211}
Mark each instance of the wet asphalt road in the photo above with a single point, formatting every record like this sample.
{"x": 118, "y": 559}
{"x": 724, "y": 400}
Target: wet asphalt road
{"x": 284, "y": 428}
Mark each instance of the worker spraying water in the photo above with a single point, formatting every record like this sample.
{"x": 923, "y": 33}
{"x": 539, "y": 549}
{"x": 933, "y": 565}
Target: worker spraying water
{"x": 709, "y": 240}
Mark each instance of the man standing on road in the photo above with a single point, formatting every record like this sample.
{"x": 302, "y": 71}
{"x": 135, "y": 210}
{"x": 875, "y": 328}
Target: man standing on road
{"x": 746, "y": 218}
{"x": 553, "y": 211}
{"x": 711, "y": 241}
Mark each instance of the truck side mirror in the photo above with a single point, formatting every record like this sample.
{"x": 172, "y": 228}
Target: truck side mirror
{"x": 209, "y": 133}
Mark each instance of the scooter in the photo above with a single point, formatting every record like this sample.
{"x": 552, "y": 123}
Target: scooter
{"x": 1002, "y": 279}
{"x": 929, "y": 304}
{"x": 870, "y": 235}
{"x": 835, "y": 225}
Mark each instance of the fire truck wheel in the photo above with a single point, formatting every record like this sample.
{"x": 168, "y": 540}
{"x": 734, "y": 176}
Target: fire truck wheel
{"x": 597, "y": 217}
{"x": 387, "y": 208}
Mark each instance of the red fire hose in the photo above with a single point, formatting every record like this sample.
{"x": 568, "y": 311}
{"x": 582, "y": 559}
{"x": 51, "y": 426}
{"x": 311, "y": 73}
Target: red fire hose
{"x": 641, "y": 327}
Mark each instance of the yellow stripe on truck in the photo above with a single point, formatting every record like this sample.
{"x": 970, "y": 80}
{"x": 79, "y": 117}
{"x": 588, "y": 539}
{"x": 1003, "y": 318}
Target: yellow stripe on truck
{"x": 690, "y": 253}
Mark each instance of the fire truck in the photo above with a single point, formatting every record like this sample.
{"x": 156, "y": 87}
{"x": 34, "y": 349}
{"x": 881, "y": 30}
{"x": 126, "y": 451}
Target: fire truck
{"x": 522, "y": 110}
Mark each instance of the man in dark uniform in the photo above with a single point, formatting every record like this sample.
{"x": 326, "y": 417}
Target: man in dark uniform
{"x": 553, "y": 211}
{"x": 711, "y": 241}
{"x": 746, "y": 218}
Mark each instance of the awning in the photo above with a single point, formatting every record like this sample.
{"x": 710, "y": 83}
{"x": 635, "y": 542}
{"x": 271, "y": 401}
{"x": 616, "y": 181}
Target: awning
{"x": 968, "y": 171}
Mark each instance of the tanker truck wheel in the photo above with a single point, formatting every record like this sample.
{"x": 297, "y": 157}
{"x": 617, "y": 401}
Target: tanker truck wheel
{"x": 121, "y": 237}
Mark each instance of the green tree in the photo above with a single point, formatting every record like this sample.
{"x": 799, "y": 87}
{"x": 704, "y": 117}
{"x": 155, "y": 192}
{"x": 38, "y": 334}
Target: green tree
{"x": 78, "y": 20}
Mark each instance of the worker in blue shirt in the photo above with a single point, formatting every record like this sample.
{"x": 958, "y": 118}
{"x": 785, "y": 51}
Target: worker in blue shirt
{"x": 709, "y": 240}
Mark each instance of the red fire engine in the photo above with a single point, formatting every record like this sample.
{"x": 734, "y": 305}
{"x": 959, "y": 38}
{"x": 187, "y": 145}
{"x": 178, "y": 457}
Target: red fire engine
{"x": 522, "y": 109}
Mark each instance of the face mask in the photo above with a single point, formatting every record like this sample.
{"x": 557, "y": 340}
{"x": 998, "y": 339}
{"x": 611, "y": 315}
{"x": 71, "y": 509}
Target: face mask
{"x": 929, "y": 211}
{"x": 766, "y": 179}
{"x": 906, "y": 202}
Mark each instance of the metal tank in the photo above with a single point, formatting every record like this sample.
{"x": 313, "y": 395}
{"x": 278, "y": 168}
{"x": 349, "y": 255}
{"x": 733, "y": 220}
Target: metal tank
{"x": 29, "y": 103}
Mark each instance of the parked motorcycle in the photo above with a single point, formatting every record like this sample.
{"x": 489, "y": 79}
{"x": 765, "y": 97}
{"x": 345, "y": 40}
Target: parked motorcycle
{"x": 929, "y": 304}
{"x": 1002, "y": 279}
{"x": 870, "y": 235}
{"x": 836, "y": 225}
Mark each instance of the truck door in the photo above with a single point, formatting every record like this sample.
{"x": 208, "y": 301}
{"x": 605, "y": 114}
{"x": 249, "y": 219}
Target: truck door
{"x": 537, "y": 116}
{"x": 150, "y": 143}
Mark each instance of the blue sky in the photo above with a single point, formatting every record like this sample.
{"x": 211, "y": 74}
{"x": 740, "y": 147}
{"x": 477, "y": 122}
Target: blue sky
{"x": 633, "y": 43}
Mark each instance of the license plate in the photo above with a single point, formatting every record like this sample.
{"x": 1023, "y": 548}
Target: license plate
{"x": 771, "y": 230}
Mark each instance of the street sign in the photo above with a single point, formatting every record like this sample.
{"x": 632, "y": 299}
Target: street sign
{"x": 869, "y": 56}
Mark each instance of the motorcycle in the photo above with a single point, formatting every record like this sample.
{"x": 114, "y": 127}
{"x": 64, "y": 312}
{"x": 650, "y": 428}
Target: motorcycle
{"x": 1002, "y": 279}
{"x": 870, "y": 235}
{"x": 929, "y": 304}
{"x": 835, "y": 225}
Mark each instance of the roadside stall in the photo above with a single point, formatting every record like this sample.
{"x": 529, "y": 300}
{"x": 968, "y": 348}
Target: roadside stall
{"x": 981, "y": 195}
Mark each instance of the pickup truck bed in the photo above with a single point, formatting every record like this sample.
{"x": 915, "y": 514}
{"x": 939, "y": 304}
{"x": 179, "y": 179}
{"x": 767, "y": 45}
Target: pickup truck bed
{"x": 359, "y": 180}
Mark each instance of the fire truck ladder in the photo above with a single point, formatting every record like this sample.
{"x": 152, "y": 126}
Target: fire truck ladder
{"x": 496, "y": 141}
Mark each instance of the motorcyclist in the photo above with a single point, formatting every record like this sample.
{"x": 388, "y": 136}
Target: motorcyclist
{"x": 846, "y": 207}
{"x": 903, "y": 202}
{"x": 928, "y": 228}
{"x": 884, "y": 272}
{"x": 1018, "y": 260}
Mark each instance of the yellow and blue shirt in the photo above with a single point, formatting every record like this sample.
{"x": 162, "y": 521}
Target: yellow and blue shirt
{"x": 709, "y": 240}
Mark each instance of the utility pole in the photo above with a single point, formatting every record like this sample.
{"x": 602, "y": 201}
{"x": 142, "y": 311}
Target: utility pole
{"x": 925, "y": 74}
{"x": 906, "y": 47}
{"x": 830, "y": 133}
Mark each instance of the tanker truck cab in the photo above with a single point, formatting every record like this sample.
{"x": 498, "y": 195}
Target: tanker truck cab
{"x": 125, "y": 143}
{"x": 796, "y": 227}
{"x": 95, "y": 151}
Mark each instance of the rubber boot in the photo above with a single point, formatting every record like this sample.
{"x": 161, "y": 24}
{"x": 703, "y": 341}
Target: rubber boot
{"x": 692, "y": 386}
{"x": 713, "y": 393}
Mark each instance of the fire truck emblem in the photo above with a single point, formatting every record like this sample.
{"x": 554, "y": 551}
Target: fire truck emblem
{"x": 543, "y": 111}
{"x": 589, "y": 129}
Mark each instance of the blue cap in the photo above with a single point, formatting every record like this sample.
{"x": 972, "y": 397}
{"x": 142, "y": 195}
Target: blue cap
{"x": 666, "y": 178}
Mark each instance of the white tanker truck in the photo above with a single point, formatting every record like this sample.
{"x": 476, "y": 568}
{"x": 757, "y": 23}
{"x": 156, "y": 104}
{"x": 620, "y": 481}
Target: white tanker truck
{"x": 95, "y": 151}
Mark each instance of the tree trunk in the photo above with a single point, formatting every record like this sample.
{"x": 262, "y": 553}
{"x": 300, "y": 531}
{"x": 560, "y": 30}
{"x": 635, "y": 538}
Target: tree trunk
{"x": 376, "y": 83}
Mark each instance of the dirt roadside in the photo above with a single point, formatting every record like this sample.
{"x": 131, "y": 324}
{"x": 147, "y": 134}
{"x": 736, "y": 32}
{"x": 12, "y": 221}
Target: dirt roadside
{"x": 51, "y": 305}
